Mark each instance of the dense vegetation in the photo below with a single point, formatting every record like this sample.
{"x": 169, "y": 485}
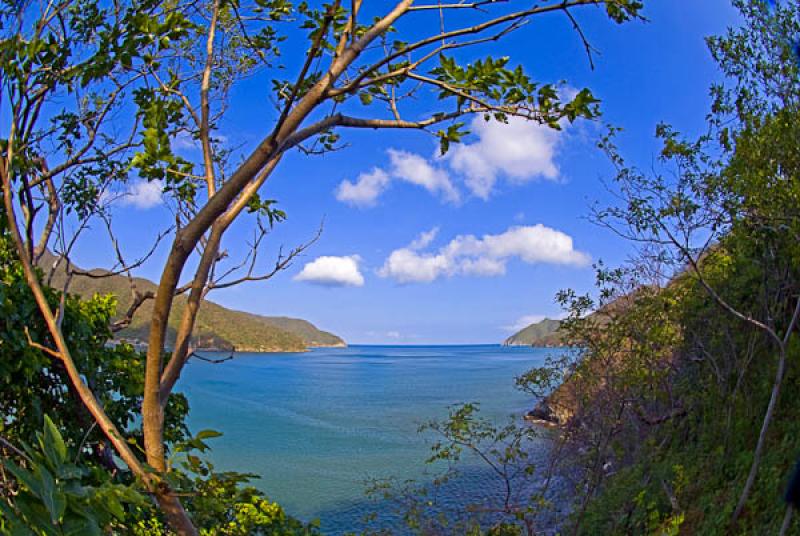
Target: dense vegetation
{"x": 683, "y": 399}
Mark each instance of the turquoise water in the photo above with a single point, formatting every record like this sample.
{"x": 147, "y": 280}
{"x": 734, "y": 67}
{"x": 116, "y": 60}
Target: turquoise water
{"x": 315, "y": 426}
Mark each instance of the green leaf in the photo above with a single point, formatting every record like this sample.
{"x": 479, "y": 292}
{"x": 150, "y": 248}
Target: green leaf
{"x": 366, "y": 98}
{"x": 53, "y": 440}
{"x": 25, "y": 477}
{"x": 87, "y": 526}
{"x": 207, "y": 434}
{"x": 52, "y": 498}
{"x": 10, "y": 517}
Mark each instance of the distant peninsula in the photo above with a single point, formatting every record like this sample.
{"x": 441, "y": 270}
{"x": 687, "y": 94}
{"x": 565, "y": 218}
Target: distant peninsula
{"x": 544, "y": 333}
{"x": 217, "y": 327}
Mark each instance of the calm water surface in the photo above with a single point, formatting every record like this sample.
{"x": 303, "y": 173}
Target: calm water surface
{"x": 316, "y": 425}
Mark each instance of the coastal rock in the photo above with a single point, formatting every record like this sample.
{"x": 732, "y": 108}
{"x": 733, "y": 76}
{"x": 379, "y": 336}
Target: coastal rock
{"x": 542, "y": 413}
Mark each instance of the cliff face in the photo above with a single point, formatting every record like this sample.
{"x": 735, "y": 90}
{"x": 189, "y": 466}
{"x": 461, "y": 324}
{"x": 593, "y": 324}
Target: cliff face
{"x": 217, "y": 327}
{"x": 557, "y": 408}
{"x": 586, "y": 381}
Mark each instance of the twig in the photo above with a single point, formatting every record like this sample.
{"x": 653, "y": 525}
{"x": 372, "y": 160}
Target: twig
{"x": 590, "y": 50}
{"x": 8, "y": 445}
{"x": 209, "y": 360}
{"x": 41, "y": 347}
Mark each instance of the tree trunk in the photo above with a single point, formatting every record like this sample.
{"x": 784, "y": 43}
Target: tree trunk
{"x": 787, "y": 521}
{"x": 762, "y": 436}
{"x": 177, "y": 518}
{"x": 173, "y": 368}
{"x": 152, "y": 412}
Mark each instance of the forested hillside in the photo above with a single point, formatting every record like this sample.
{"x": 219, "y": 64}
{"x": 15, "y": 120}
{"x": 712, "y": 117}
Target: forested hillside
{"x": 217, "y": 326}
{"x": 680, "y": 407}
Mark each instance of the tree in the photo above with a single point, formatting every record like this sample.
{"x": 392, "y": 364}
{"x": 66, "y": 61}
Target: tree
{"x": 731, "y": 193}
{"x": 143, "y": 72}
{"x": 515, "y": 483}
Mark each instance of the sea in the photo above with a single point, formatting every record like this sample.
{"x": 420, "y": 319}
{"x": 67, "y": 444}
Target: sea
{"x": 318, "y": 427}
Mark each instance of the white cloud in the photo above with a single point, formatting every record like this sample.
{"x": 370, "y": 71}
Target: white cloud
{"x": 567, "y": 93}
{"x": 184, "y": 140}
{"x": 403, "y": 166}
{"x": 520, "y": 150}
{"x": 407, "y": 266}
{"x": 486, "y": 256}
{"x": 417, "y": 170}
{"x": 143, "y": 194}
{"x": 333, "y": 272}
{"x": 424, "y": 239}
{"x": 365, "y": 190}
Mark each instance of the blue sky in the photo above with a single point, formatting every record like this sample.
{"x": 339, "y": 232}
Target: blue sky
{"x": 514, "y": 250}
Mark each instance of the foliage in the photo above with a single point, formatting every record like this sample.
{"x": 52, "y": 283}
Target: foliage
{"x": 69, "y": 482}
{"x": 35, "y": 384}
{"x": 222, "y": 503}
{"x": 720, "y": 223}
{"x": 56, "y": 496}
{"x": 514, "y": 490}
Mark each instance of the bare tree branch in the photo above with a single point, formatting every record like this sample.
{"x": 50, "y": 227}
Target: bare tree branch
{"x": 282, "y": 262}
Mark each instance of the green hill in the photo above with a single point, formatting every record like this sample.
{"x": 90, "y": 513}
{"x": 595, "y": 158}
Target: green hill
{"x": 546, "y": 334}
{"x": 542, "y": 333}
{"x": 216, "y": 327}
{"x": 304, "y": 329}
